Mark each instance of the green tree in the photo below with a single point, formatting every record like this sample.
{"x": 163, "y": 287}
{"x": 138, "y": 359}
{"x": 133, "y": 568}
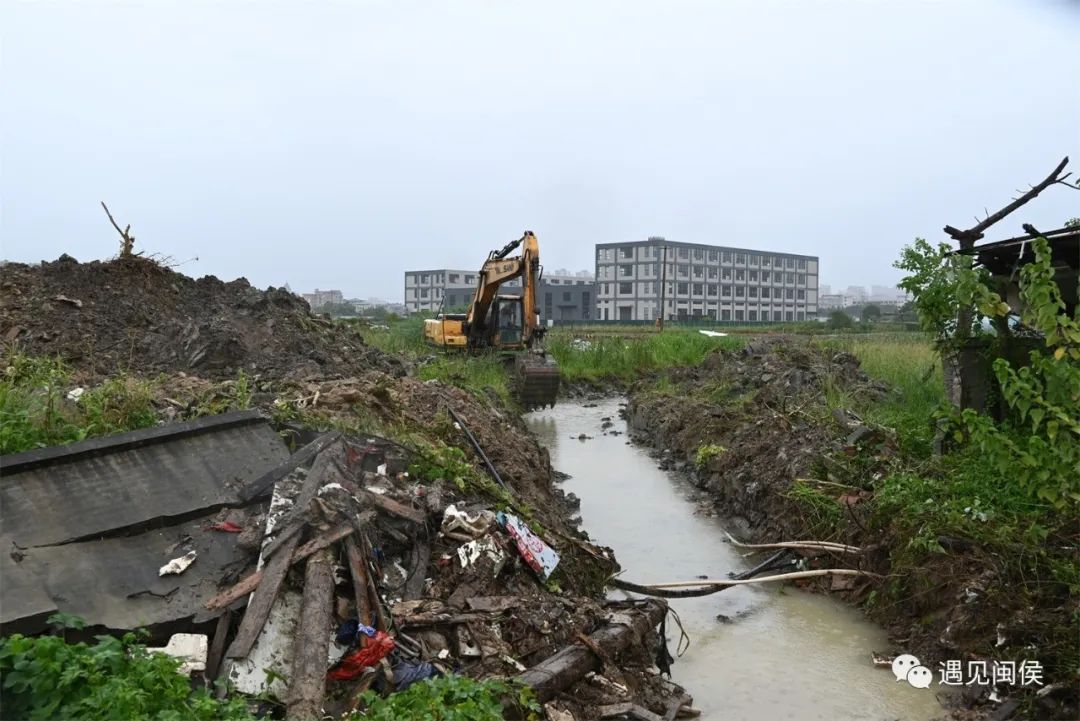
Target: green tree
{"x": 839, "y": 320}
{"x": 871, "y": 313}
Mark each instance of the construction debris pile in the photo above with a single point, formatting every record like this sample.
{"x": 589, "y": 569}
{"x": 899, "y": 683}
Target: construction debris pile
{"x": 355, "y": 574}
{"x": 134, "y": 314}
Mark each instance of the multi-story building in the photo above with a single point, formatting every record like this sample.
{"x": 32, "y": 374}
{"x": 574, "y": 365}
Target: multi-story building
{"x": 562, "y": 296}
{"x": 319, "y": 298}
{"x": 708, "y": 281}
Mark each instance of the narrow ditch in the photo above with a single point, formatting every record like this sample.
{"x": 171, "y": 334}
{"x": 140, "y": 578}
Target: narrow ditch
{"x": 775, "y": 652}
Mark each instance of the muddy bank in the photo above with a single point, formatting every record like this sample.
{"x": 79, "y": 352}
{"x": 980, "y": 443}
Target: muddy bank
{"x": 753, "y": 428}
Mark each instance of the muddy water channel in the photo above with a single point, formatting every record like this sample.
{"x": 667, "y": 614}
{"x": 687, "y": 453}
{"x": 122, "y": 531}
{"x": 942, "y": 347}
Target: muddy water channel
{"x": 782, "y": 653}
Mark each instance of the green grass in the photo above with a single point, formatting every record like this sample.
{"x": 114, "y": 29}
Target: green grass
{"x": 596, "y": 358}
{"x": 35, "y": 410}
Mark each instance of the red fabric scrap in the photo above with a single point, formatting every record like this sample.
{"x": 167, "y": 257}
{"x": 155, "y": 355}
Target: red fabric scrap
{"x": 227, "y": 527}
{"x": 354, "y": 663}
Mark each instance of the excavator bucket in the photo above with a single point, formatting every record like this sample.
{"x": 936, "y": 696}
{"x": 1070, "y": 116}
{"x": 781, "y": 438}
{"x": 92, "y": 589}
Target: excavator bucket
{"x": 536, "y": 380}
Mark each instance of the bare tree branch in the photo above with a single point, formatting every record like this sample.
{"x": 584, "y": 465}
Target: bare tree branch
{"x": 967, "y": 238}
{"x": 129, "y": 240}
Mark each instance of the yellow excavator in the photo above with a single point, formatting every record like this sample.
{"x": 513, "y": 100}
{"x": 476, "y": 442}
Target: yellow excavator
{"x": 506, "y": 324}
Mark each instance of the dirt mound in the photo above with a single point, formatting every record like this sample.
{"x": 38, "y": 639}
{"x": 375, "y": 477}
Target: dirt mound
{"x": 135, "y": 315}
{"x": 748, "y": 423}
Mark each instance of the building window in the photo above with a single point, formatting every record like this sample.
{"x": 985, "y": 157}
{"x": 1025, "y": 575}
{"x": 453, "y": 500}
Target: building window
{"x": 755, "y": 260}
{"x": 684, "y": 288}
{"x": 423, "y": 278}
{"x": 738, "y": 315}
{"x": 725, "y": 314}
{"x": 764, "y": 276}
{"x": 683, "y": 253}
{"x": 800, "y": 294}
{"x": 765, "y": 262}
{"x": 684, "y": 271}
{"x": 712, "y": 274}
{"x": 626, "y": 253}
{"x": 789, "y": 277}
{"x": 725, "y": 257}
{"x": 712, "y": 289}
{"x": 753, "y": 292}
{"x": 789, "y": 262}
{"x": 547, "y": 299}
{"x": 698, "y": 254}
{"x": 801, "y": 264}
{"x": 698, "y": 289}
{"x": 698, "y": 271}
{"x": 725, "y": 291}
{"x": 801, "y": 279}
{"x": 776, "y": 315}
{"x": 626, "y": 288}
{"x": 751, "y": 315}
{"x": 764, "y": 292}
{"x": 740, "y": 259}
{"x": 626, "y": 271}
{"x": 789, "y": 315}
{"x": 789, "y": 293}
{"x": 725, "y": 274}
{"x": 753, "y": 276}
{"x": 454, "y": 277}
{"x": 740, "y": 275}
{"x": 740, "y": 291}
{"x": 423, "y": 292}
{"x": 712, "y": 256}
{"x": 470, "y": 279}
{"x": 566, "y": 296}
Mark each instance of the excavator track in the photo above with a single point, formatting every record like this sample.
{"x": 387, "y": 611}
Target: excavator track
{"x": 536, "y": 380}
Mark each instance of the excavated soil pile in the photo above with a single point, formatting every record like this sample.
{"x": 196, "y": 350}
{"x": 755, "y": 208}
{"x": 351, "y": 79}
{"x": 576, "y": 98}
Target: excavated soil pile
{"x": 763, "y": 406}
{"x": 135, "y": 315}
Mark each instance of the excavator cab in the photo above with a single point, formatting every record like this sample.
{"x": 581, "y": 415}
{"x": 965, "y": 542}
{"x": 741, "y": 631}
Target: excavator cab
{"x": 509, "y": 324}
{"x": 506, "y": 322}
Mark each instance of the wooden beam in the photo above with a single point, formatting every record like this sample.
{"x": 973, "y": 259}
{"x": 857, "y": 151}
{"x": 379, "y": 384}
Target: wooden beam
{"x": 566, "y": 667}
{"x": 264, "y": 483}
{"x": 259, "y": 608}
{"x": 358, "y": 571}
{"x": 307, "y": 686}
{"x": 251, "y": 582}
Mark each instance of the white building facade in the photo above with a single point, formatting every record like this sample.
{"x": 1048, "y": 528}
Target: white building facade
{"x": 634, "y": 282}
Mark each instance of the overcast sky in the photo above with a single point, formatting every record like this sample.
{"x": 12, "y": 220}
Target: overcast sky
{"x": 337, "y": 145}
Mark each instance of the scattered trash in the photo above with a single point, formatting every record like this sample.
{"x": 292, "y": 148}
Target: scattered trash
{"x": 75, "y": 394}
{"x": 178, "y": 565}
{"x": 191, "y": 648}
{"x": 353, "y": 664}
{"x": 713, "y": 333}
{"x": 350, "y": 631}
{"x": 540, "y": 556}
{"x": 471, "y": 552}
{"x": 472, "y": 525}
{"x": 406, "y": 673}
{"x": 225, "y": 527}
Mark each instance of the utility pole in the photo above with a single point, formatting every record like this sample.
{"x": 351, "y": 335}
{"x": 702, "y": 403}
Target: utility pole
{"x": 663, "y": 292}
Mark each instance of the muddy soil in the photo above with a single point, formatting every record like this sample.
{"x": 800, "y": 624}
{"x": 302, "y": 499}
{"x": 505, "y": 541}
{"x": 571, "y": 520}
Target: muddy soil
{"x": 140, "y": 317}
{"x": 766, "y": 408}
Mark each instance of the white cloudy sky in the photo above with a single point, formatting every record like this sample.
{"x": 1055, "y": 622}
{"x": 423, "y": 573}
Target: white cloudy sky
{"x": 337, "y": 144}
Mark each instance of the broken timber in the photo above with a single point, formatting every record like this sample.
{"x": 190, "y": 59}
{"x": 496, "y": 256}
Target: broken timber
{"x": 566, "y": 667}
{"x": 307, "y": 687}
{"x": 251, "y": 582}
